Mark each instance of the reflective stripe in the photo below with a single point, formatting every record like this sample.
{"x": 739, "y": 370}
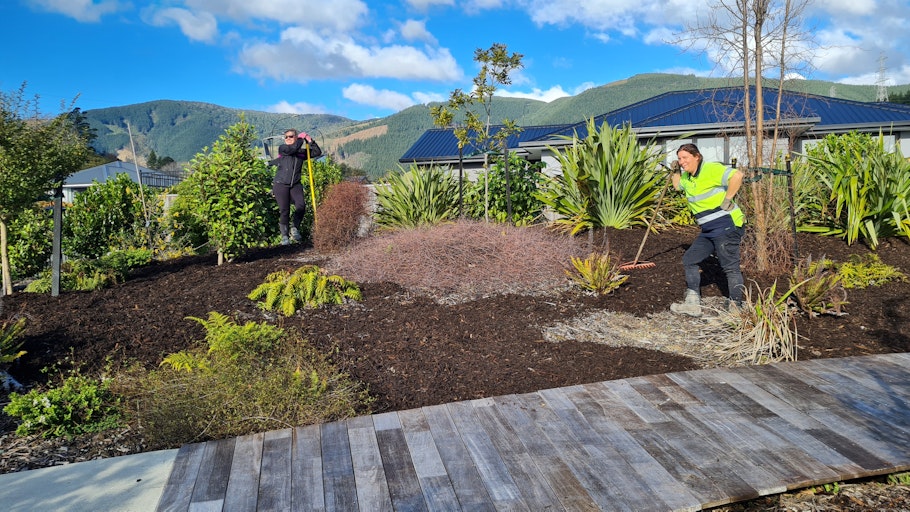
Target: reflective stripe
{"x": 711, "y": 216}
{"x": 706, "y": 195}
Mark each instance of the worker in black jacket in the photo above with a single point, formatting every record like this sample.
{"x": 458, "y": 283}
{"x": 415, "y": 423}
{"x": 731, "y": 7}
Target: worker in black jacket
{"x": 286, "y": 186}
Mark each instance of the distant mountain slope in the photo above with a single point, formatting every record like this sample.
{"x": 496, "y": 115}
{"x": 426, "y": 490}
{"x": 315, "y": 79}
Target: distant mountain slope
{"x": 181, "y": 129}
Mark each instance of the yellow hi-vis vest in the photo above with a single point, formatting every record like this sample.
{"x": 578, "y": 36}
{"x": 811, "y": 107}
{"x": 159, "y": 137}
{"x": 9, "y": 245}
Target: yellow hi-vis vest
{"x": 705, "y": 192}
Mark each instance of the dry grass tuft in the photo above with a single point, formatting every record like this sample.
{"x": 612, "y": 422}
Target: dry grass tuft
{"x": 462, "y": 260}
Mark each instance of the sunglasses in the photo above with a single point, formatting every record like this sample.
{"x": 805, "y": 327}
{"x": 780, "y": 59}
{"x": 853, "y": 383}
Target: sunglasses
{"x": 289, "y": 136}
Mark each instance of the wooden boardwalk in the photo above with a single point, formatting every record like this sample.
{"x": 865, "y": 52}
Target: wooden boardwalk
{"x": 680, "y": 441}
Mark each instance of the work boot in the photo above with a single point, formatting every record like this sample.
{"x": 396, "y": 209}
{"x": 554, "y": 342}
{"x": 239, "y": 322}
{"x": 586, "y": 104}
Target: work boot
{"x": 691, "y": 305}
{"x": 295, "y": 234}
{"x": 285, "y": 241}
{"x": 734, "y": 307}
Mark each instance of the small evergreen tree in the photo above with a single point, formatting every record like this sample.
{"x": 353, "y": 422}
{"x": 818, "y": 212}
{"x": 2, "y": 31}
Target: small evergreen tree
{"x": 230, "y": 189}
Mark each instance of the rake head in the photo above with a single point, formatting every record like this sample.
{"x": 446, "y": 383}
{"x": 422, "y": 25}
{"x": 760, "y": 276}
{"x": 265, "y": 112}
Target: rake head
{"x": 637, "y": 265}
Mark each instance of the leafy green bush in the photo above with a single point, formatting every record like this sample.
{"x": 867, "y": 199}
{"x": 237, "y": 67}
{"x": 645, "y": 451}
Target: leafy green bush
{"x": 88, "y": 275}
{"x": 278, "y": 383}
{"x": 307, "y": 286}
{"x": 862, "y": 272}
{"x": 524, "y": 180}
{"x": 30, "y": 241}
{"x": 109, "y": 216}
{"x": 417, "y": 197}
{"x": 867, "y": 189}
{"x": 598, "y": 273}
{"x": 607, "y": 180}
{"x": 80, "y": 405}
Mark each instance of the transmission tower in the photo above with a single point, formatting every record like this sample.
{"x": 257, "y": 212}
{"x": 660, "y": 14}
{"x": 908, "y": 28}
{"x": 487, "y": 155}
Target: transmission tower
{"x": 882, "y": 82}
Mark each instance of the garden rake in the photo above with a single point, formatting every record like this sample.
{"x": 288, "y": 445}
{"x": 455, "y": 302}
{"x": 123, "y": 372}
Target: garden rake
{"x": 635, "y": 264}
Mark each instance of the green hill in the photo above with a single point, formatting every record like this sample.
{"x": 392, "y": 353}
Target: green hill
{"x": 181, "y": 129}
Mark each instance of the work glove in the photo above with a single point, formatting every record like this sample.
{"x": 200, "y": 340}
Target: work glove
{"x": 305, "y": 136}
{"x": 674, "y": 167}
{"x": 727, "y": 205}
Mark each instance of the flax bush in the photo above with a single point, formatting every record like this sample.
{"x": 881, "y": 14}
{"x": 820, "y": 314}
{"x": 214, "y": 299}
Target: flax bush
{"x": 416, "y": 197}
{"x": 817, "y": 287}
{"x": 607, "y": 180}
{"x": 867, "y": 189}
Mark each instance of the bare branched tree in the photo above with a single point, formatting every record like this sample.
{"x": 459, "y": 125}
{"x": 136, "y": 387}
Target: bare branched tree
{"x": 748, "y": 39}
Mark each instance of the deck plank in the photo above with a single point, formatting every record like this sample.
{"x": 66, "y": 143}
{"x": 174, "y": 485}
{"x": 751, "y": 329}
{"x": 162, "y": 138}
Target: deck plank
{"x": 214, "y": 470}
{"x": 178, "y": 490}
{"x": 338, "y": 480}
{"x": 275, "y": 477}
{"x": 463, "y": 474}
{"x": 369, "y": 474}
{"x": 242, "y": 493}
{"x": 306, "y": 470}
{"x": 404, "y": 486}
{"x": 681, "y": 441}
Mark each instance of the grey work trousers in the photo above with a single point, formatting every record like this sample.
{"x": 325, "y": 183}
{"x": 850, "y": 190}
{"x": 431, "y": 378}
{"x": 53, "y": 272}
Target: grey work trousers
{"x": 726, "y": 248}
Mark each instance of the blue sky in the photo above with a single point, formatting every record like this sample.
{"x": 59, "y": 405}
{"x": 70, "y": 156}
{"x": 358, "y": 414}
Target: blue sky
{"x": 363, "y": 59}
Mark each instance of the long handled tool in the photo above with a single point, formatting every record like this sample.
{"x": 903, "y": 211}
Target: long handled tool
{"x": 309, "y": 162}
{"x": 635, "y": 264}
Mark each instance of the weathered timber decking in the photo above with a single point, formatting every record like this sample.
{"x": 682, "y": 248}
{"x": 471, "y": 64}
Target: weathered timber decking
{"x": 680, "y": 441}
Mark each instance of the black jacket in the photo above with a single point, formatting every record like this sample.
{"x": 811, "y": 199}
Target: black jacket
{"x": 290, "y": 161}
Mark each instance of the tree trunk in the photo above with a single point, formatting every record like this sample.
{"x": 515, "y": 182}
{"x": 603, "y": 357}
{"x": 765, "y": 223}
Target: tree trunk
{"x": 4, "y": 260}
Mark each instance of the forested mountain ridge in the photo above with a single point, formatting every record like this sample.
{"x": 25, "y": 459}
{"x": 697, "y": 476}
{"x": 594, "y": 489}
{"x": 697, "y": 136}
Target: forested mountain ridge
{"x": 181, "y": 129}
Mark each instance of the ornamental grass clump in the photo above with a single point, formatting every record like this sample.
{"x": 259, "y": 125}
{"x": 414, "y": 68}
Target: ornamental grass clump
{"x": 287, "y": 292}
{"x": 762, "y": 331}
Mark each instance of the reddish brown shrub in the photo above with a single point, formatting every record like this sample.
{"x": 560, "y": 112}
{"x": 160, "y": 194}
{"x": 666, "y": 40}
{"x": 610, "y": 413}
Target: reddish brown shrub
{"x": 465, "y": 258}
{"x": 339, "y": 215}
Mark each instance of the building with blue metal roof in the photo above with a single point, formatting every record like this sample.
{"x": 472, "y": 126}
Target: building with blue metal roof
{"x": 82, "y": 180}
{"x": 713, "y": 119}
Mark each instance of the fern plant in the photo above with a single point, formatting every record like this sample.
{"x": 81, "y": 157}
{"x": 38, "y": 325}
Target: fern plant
{"x": 10, "y": 341}
{"x": 598, "y": 273}
{"x": 225, "y": 336}
{"x": 287, "y": 292}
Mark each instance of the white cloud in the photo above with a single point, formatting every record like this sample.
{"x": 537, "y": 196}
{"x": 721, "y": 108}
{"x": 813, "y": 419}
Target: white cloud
{"x": 200, "y": 26}
{"x": 304, "y": 55}
{"x": 849, "y": 7}
{"x": 369, "y": 95}
{"x": 580, "y": 88}
{"x": 80, "y": 10}
{"x": 341, "y": 15}
{"x": 548, "y": 95}
{"x": 413, "y": 30}
{"x": 285, "y": 107}
{"x": 423, "y": 5}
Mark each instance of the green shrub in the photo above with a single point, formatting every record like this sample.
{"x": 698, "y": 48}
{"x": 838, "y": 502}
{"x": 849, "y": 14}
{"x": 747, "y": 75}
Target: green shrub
{"x": 88, "y": 275}
{"x": 598, "y": 273}
{"x": 862, "y": 272}
{"x": 524, "y": 180}
{"x": 109, "y": 216}
{"x": 289, "y": 384}
{"x": 30, "y": 241}
{"x": 80, "y": 405}
{"x": 307, "y": 286}
{"x": 417, "y": 197}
